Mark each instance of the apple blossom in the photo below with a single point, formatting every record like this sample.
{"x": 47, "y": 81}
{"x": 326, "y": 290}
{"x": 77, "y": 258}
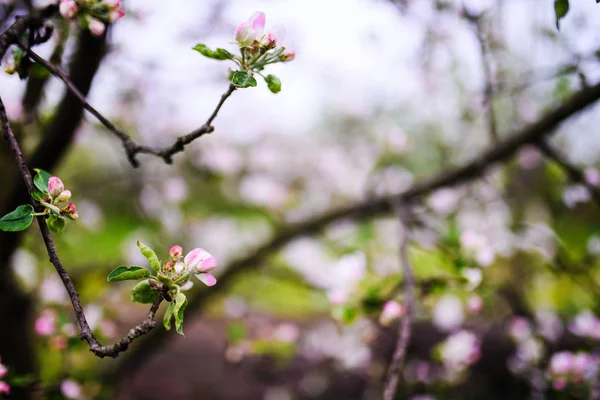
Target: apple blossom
{"x": 45, "y": 325}
{"x": 460, "y": 350}
{"x": 67, "y": 8}
{"x": 247, "y": 32}
{"x": 55, "y": 186}
{"x": 200, "y": 263}
{"x": 176, "y": 252}
{"x": 70, "y": 389}
{"x": 71, "y": 212}
{"x": 288, "y": 55}
{"x": 269, "y": 41}
{"x": 64, "y": 196}
{"x": 96, "y": 26}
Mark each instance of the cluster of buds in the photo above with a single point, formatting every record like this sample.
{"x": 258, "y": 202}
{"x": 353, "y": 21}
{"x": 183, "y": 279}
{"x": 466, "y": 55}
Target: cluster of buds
{"x": 259, "y": 49}
{"x": 4, "y": 387}
{"x": 198, "y": 262}
{"x": 92, "y": 14}
{"x": 57, "y": 203}
{"x": 568, "y": 368}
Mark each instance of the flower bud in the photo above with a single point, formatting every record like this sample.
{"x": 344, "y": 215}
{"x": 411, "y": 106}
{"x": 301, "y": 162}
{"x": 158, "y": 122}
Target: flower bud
{"x": 55, "y": 186}
{"x": 176, "y": 252}
{"x": 391, "y": 311}
{"x": 244, "y": 34}
{"x": 168, "y": 266}
{"x": 112, "y": 3}
{"x": 96, "y": 26}
{"x": 116, "y": 14}
{"x": 67, "y": 8}
{"x": 287, "y": 56}
{"x": 269, "y": 41}
{"x": 64, "y": 196}
{"x": 71, "y": 212}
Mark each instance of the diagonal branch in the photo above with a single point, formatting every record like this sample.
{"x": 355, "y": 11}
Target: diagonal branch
{"x": 86, "y": 332}
{"x": 132, "y": 149}
{"x": 391, "y": 386}
{"x": 574, "y": 173}
{"x": 374, "y": 207}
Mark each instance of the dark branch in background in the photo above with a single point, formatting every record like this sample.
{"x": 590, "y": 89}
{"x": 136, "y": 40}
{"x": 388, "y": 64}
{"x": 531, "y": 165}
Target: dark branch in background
{"x": 574, "y": 173}
{"x": 393, "y": 375}
{"x": 132, "y": 149}
{"x": 486, "y": 63}
{"x": 86, "y": 332}
{"x": 371, "y": 208}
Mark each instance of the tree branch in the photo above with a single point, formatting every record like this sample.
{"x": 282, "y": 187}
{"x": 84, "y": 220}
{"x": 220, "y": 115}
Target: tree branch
{"x": 574, "y": 173}
{"x": 371, "y": 208}
{"x": 391, "y": 386}
{"x": 86, "y": 332}
{"x": 132, "y": 149}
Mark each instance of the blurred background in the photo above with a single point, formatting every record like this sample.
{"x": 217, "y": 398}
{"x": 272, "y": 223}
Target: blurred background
{"x": 382, "y": 94}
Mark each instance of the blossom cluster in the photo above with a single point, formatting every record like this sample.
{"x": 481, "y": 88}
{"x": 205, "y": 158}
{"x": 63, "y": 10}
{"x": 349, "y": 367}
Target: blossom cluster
{"x": 57, "y": 206}
{"x": 567, "y": 368}
{"x": 4, "y": 387}
{"x": 92, "y": 14}
{"x": 460, "y": 350}
{"x": 586, "y": 324}
{"x": 197, "y": 262}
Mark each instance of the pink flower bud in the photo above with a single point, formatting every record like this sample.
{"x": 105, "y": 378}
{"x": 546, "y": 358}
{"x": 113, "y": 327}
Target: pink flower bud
{"x": 96, "y": 26}
{"x": 71, "y": 212}
{"x": 3, "y": 371}
{"x": 64, "y": 196}
{"x": 116, "y": 14}
{"x": 391, "y": 311}
{"x": 67, "y": 8}
{"x": 288, "y": 55}
{"x": 168, "y": 266}
{"x": 269, "y": 41}
{"x": 55, "y": 186}
{"x": 200, "y": 260}
{"x": 46, "y": 323}
{"x": 245, "y": 34}
{"x": 176, "y": 252}
{"x": 4, "y": 388}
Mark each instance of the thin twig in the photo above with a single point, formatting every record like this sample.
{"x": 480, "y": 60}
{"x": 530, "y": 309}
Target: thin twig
{"x": 574, "y": 173}
{"x": 397, "y": 362}
{"x": 86, "y": 331}
{"x": 132, "y": 149}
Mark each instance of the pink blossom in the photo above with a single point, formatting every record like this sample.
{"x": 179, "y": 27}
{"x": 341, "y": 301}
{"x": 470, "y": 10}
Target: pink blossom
{"x": 4, "y": 388}
{"x": 560, "y": 363}
{"x": 592, "y": 176}
{"x": 200, "y": 260}
{"x": 474, "y": 305}
{"x": 67, "y": 8}
{"x": 176, "y": 252}
{"x": 46, "y": 323}
{"x": 70, "y": 389}
{"x": 96, "y": 26}
{"x": 269, "y": 41}
{"x": 3, "y": 371}
{"x": 253, "y": 29}
{"x": 207, "y": 279}
{"x": 460, "y": 350}
{"x": 392, "y": 310}
{"x": 64, "y": 196}
{"x": 519, "y": 329}
{"x": 55, "y": 186}
{"x": 71, "y": 212}
{"x": 116, "y": 14}
{"x": 288, "y": 55}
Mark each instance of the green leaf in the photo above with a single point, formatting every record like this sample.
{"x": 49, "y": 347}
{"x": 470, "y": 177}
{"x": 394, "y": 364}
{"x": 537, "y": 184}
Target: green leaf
{"x": 180, "y": 305}
{"x": 18, "y": 220}
{"x": 143, "y": 293}
{"x": 168, "y": 316}
{"x": 561, "y": 8}
{"x": 150, "y": 256}
{"x": 219, "y": 54}
{"x": 241, "y": 79}
{"x": 273, "y": 83}
{"x": 56, "y": 223}
{"x": 37, "y": 195}
{"x": 127, "y": 274}
{"x": 39, "y": 71}
{"x": 41, "y": 180}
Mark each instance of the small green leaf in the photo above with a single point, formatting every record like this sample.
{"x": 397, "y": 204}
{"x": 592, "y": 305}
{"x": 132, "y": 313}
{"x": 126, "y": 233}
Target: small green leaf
{"x": 41, "y": 180}
{"x": 18, "y": 220}
{"x": 273, "y": 83}
{"x": 180, "y": 305}
{"x": 128, "y": 274}
{"x": 241, "y": 79}
{"x": 143, "y": 293}
{"x": 168, "y": 316}
{"x": 56, "y": 223}
{"x": 561, "y": 8}
{"x": 150, "y": 256}
{"x": 218, "y": 54}
{"x": 37, "y": 195}
{"x": 39, "y": 71}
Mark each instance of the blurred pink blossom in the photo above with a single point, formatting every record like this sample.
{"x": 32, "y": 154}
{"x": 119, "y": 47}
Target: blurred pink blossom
{"x": 70, "y": 389}
{"x": 45, "y": 325}
{"x": 67, "y": 8}
{"x": 4, "y": 388}
{"x": 391, "y": 311}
